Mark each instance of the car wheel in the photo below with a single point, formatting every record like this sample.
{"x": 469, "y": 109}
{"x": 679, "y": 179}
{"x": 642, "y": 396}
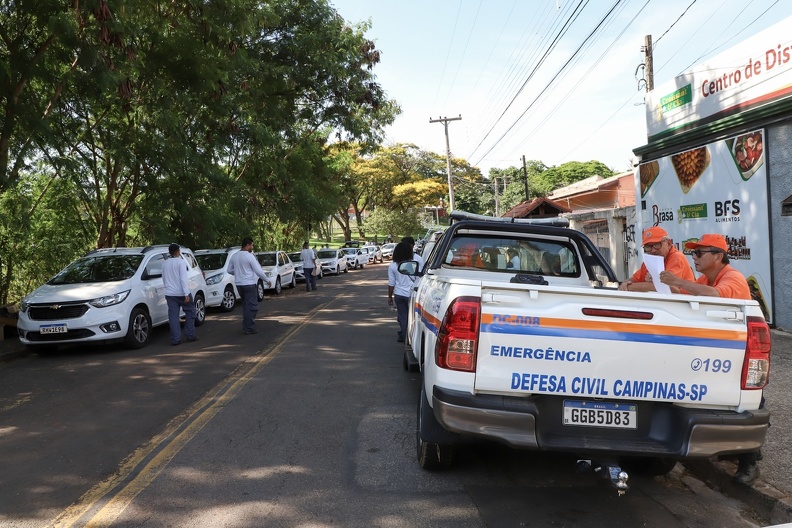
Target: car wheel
{"x": 278, "y": 287}
{"x": 346, "y": 269}
{"x": 430, "y": 455}
{"x": 338, "y": 271}
{"x": 260, "y": 291}
{"x": 407, "y": 362}
{"x": 229, "y": 299}
{"x": 200, "y": 310}
{"x": 293, "y": 283}
{"x": 139, "y": 330}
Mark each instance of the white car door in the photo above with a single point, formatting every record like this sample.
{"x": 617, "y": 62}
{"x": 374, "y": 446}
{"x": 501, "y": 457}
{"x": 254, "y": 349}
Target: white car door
{"x": 154, "y": 289}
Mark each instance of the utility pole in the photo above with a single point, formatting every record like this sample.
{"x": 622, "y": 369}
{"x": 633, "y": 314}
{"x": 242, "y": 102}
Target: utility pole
{"x": 445, "y": 121}
{"x": 647, "y": 49}
{"x": 497, "y": 200}
{"x": 525, "y": 178}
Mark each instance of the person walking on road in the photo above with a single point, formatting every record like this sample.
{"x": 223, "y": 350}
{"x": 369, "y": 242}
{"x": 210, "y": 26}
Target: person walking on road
{"x": 175, "y": 272}
{"x": 246, "y": 271}
{"x": 308, "y": 257}
{"x": 400, "y": 286}
{"x": 717, "y": 279}
{"x": 656, "y": 242}
{"x": 415, "y": 256}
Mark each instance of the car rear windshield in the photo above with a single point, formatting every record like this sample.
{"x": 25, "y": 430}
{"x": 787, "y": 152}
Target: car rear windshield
{"x": 512, "y": 255}
{"x": 99, "y": 268}
{"x": 267, "y": 260}
{"x": 212, "y": 261}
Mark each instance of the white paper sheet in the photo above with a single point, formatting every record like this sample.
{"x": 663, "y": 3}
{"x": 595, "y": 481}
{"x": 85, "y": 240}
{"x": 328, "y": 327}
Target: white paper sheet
{"x": 655, "y": 264}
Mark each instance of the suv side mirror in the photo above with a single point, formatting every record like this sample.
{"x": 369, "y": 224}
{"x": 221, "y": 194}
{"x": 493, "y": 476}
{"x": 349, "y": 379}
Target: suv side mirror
{"x": 408, "y": 267}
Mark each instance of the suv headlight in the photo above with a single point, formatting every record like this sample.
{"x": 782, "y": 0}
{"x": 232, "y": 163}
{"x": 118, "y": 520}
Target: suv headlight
{"x": 110, "y": 300}
{"x": 268, "y": 273}
{"x": 23, "y": 306}
{"x": 214, "y": 279}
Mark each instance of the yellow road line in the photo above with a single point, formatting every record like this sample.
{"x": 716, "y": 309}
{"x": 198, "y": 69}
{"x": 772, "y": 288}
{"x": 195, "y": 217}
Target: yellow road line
{"x": 193, "y": 420}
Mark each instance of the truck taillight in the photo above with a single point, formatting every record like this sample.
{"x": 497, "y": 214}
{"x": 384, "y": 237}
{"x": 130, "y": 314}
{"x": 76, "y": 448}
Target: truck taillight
{"x": 458, "y": 337}
{"x": 756, "y": 368}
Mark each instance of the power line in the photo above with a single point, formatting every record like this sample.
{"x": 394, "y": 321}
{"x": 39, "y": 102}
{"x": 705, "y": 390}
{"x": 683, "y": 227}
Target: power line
{"x": 442, "y": 74}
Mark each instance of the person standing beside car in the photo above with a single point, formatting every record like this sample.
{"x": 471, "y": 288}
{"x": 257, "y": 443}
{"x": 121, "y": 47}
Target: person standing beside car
{"x": 246, "y": 271}
{"x": 175, "y": 273}
{"x": 415, "y": 256}
{"x": 308, "y": 257}
{"x": 400, "y": 287}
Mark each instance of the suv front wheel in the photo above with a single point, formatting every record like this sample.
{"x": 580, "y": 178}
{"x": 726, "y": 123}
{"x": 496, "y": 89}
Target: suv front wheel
{"x": 139, "y": 329}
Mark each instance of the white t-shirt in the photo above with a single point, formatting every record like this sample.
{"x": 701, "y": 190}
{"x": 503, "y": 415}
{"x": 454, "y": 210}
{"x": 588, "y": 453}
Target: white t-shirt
{"x": 174, "y": 277}
{"x": 402, "y": 284}
{"x": 246, "y": 269}
{"x": 308, "y": 256}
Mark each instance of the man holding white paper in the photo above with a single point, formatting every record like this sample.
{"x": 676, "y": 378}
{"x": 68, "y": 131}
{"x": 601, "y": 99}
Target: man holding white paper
{"x": 661, "y": 255}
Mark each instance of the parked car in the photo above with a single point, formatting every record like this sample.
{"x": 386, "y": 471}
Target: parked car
{"x": 279, "y": 269}
{"x": 111, "y": 294}
{"x": 333, "y": 261}
{"x": 387, "y": 250}
{"x": 355, "y": 257}
{"x": 296, "y": 258}
{"x": 220, "y": 285}
{"x": 375, "y": 253}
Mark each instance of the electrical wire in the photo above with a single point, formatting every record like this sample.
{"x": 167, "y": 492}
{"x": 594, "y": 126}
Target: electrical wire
{"x": 464, "y": 52}
{"x": 448, "y": 54}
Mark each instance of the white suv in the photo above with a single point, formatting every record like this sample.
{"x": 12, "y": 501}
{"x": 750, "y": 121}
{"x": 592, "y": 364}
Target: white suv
{"x": 111, "y": 294}
{"x": 220, "y": 285}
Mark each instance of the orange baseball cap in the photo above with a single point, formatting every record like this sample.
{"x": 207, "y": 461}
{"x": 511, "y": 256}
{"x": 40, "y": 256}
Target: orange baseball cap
{"x": 654, "y": 235}
{"x": 709, "y": 240}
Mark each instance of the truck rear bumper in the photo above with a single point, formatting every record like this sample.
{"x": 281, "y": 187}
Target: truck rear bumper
{"x": 663, "y": 429}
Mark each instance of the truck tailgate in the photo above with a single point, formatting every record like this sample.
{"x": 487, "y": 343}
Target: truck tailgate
{"x": 610, "y": 344}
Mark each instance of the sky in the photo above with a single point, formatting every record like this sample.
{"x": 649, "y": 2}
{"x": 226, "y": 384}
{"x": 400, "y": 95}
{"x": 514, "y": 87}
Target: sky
{"x": 551, "y": 80}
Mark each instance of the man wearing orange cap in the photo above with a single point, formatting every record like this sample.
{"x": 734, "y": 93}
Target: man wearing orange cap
{"x": 717, "y": 279}
{"x": 656, "y": 242}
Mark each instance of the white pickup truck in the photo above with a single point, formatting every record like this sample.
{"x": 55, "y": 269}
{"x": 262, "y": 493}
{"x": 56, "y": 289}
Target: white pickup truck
{"x": 522, "y": 337}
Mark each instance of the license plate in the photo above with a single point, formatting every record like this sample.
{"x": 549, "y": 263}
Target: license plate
{"x": 53, "y": 329}
{"x": 600, "y": 414}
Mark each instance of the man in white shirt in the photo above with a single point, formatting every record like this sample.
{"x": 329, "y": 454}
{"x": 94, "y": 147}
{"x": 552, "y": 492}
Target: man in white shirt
{"x": 309, "y": 264}
{"x": 246, "y": 271}
{"x": 175, "y": 272}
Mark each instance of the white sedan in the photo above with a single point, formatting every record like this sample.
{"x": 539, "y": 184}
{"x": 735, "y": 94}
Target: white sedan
{"x": 279, "y": 270}
{"x": 355, "y": 257}
{"x": 333, "y": 261}
{"x": 387, "y": 250}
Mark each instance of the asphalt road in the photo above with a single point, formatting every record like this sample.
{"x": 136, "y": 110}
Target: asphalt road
{"x": 310, "y": 423}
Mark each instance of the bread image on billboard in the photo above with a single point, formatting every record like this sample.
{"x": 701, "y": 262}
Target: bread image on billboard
{"x": 690, "y": 165}
{"x": 648, "y": 173}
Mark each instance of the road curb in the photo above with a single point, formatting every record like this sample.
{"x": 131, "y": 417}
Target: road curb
{"x": 768, "y": 502}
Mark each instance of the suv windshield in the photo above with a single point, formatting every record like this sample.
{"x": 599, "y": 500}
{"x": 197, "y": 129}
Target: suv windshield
{"x": 212, "y": 261}
{"x": 101, "y": 268}
{"x": 295, "y": 257}
{"x": 327, "y": 254}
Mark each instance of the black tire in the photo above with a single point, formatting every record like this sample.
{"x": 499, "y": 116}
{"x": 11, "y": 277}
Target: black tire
{"x": 648, "y": 466}
{"x": 229, "y": 299}
{"x": 430, "y": 456}
{"x": 407, "y": 363}
{"x": 200, "y": 310}
{"x": 346, "y": 268}
{"x": 260, "y": 291}
{"x": 278, "y": 287}
{"x": 139, "y": 331}
{"x": 293, "y": 283}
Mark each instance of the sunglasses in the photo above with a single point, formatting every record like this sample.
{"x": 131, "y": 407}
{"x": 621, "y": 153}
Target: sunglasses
{"x": 656, "y": 246}
{"x": 699, "y": 252}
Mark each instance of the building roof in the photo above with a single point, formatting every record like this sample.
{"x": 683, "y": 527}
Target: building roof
{"x": 536, "y": 208}
{"x": 587, "y": 185}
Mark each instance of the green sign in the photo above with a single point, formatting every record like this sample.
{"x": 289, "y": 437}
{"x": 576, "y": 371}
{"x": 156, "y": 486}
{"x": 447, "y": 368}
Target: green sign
{"x": 676, "y": 99}
{"x": 689, "y": 212}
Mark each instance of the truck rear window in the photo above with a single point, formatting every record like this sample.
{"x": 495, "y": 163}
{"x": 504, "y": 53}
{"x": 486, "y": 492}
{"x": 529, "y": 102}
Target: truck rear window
{"x": 555, "y": 258}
